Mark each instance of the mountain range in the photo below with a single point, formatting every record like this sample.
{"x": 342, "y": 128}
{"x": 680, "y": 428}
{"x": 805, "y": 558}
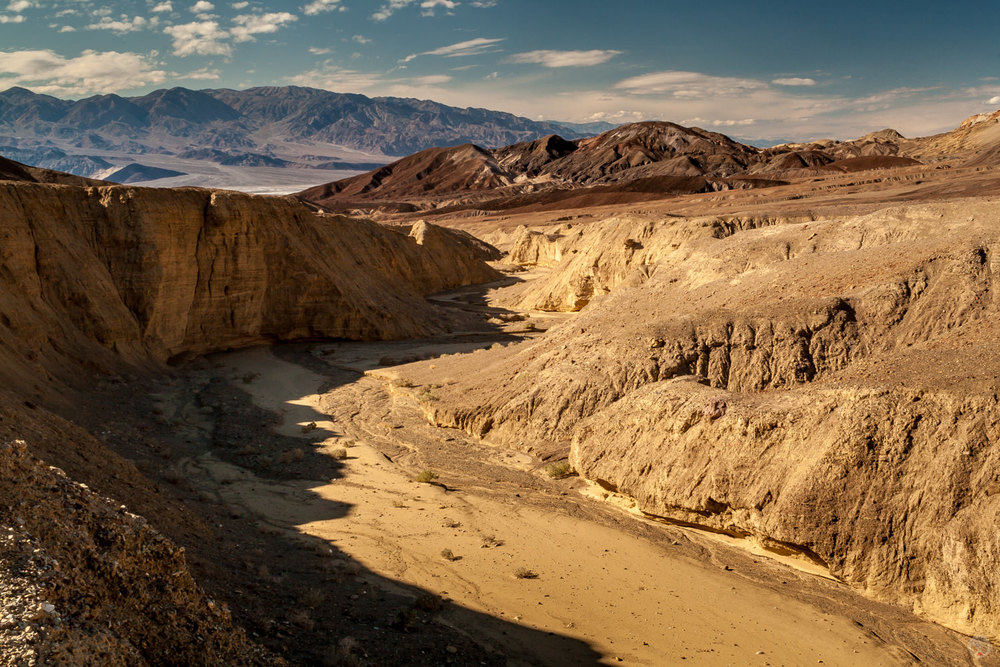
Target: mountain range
{"x": 267, "y": 126}
{"x": 632, "y": 162}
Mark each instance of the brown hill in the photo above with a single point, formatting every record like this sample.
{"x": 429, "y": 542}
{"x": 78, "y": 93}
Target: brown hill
{"x": 542, "y": 173}
{"x": 15, "y": 171}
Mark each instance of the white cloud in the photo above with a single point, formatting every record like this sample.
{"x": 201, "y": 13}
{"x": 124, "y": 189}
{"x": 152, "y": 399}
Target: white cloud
{"x": 430, "y": 80}
{"x": 361, "y": 39}
{"x": 16, "y": 18}
{"x": 317, "y": 51}
{"x": 203, "y": 74}
{"x": 319, "y": 6}
{"x": 248, "y": 25}
{"x": 45, "y": 71}
{"x": 240, "y": 5}
{"x": 470, "y": 47}
{"x": 484, "y": 3}
{"x": 201, "y": 7}
{"x": 390, "y": 8}
{"x": 334, "y": 77}
{"x": 67, "y": 28}
{"x": 688, "y": 84}
{"x": 120, "y": 26}
{"x": 719, "y": 123}
{"x": 794, "y": 81}
{"x": 564, "y": 58}
{"x": 163, "y": 7}
{"x": 199, "y": 38}
{"x": 20, "y": 5}
{"x": 994, "y": 100}
{"x": 428, "y": 6}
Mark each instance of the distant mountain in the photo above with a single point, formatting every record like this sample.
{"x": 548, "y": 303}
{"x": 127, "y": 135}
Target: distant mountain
{"x": 138, "y": 173}
{"x": 269, "y": 126}
{"x": 628, "y": 163}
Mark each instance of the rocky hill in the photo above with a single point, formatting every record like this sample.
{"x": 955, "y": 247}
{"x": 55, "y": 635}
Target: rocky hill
{"x": 825, "y": 386}
{"x": 636, "y": 162}
{"x": 631, "y": 162}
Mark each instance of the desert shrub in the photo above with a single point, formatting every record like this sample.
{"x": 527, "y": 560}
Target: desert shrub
{"x": 427, "y": 476}
{"x": 559, "y": 470}
{"x": 525, "y": 573}
{"x": 448, "y": 554}
{"x": 339, "y": 454}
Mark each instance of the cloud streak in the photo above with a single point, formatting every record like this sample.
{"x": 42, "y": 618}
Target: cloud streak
{"x": 564, "y": 58}
{"x": 471, "y": 47}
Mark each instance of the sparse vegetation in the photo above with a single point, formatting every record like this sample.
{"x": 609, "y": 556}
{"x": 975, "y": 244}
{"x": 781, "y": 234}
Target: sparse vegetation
{"x": 559, "y": 470}
{"x": 427, "y": 476}
{"x": 491, "y": 541}
{"x": 339, "y": 454}
{"x": 308, "y": 428}
{"x": 312, "y": 598}
{"x": 448, "y": 554}
{"x": 525, "y": 573}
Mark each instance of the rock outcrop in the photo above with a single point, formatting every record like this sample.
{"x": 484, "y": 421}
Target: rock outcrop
{"x": 95, "y": 276}
{"x": 84, "y": 581}
{"x": 822, "y": 386}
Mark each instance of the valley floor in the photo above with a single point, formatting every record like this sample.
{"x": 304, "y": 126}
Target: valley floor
{"x": 303, "y": 460}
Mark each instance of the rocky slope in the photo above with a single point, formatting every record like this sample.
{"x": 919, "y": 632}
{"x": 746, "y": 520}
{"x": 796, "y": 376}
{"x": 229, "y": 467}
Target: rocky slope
{"x": 634, "y": 162}
{"x": 826, "y": 387}
{"x": 84, "y": 581}
{"x": 99, "y": 279}
{"x": 96, "y": 275}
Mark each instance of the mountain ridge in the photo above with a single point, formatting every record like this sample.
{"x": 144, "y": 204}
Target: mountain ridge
{"x": 278, "y": 122}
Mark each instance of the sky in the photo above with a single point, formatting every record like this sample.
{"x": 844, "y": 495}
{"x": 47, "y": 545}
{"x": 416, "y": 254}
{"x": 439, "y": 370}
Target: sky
{"x": 753, "y": 70}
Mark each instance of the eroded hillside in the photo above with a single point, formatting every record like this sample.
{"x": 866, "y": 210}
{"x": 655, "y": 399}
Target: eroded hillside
{"x": 821, "y": 385}
{"x": 101, "y": 281}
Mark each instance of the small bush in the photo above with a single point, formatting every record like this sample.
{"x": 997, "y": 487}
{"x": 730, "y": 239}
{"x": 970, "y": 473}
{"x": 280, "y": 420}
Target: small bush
{"x": 339, "y": 454}
{"x": 559, "y": 470}
{"x": 447, "y": 554}
{"x": 427, "y": 476}
{"x": 525, "y": 573}
{"x": 308, "y": 428}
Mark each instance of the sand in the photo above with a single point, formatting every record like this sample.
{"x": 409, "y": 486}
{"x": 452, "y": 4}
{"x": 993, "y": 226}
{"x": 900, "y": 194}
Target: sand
{"x": 630, "y": 591}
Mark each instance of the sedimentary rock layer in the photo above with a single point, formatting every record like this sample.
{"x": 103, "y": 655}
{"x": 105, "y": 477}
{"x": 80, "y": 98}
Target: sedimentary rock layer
{"x": 827, "y": 386}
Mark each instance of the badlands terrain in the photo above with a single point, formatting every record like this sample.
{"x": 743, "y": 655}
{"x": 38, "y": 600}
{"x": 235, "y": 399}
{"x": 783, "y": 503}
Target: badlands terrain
{"x": 651, "y": 397}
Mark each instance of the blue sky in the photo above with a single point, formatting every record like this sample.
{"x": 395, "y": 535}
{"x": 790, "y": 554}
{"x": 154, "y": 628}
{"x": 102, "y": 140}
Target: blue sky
{"x": 785, "y": 70}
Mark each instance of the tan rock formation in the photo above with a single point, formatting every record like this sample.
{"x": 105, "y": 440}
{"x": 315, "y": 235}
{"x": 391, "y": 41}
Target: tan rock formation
{"x": 822, "y": 385}
{"x": 94, "y": 275}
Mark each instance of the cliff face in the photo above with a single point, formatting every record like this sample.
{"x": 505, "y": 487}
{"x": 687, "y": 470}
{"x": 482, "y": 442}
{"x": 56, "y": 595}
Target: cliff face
{"x": 95, "y": 275}
{"x": 822, "y": 386}
{"x": 95, "y": 279}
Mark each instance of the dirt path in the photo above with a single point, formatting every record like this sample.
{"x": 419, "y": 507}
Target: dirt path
{"x": 496, "y": 536}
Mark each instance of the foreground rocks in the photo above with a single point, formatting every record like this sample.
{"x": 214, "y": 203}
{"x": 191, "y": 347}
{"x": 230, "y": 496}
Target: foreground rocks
{"x": 84, "y": 581}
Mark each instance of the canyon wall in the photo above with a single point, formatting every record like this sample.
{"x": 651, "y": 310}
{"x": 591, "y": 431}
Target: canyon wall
{"x": 95, "y": 275}
{"x": 827, "y": 387}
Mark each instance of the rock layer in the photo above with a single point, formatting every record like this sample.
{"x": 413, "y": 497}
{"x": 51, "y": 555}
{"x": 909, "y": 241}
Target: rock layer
{"x": 95, "y": 275}
{"x": 825, "y": 386}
